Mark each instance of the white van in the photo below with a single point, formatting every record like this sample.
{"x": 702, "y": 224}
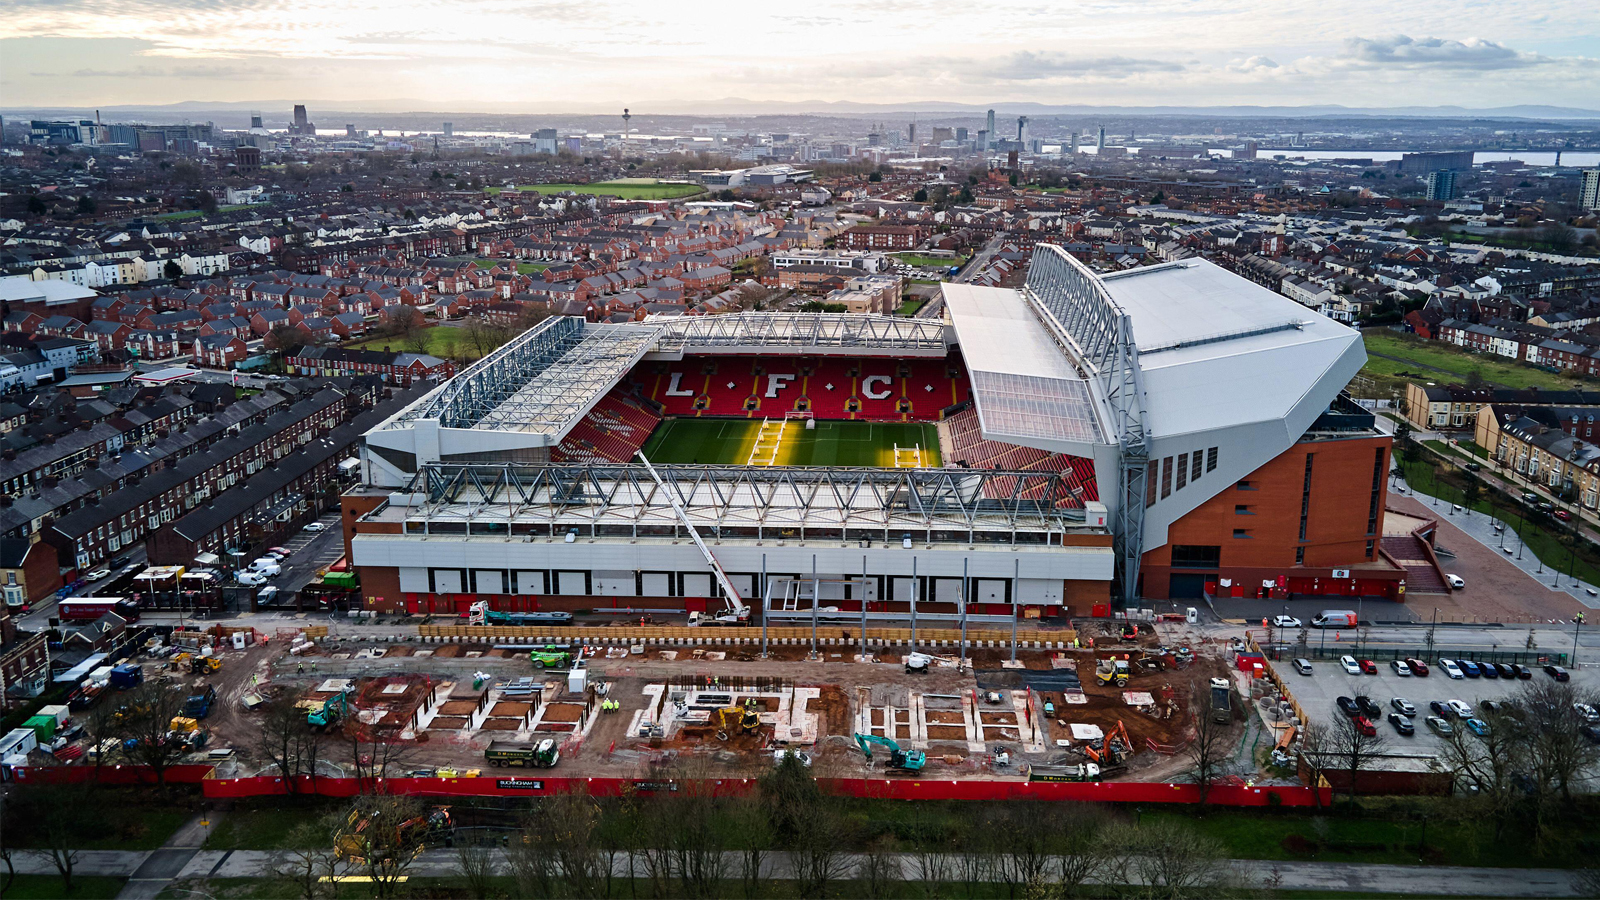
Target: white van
{"x": 1334, "y": 618}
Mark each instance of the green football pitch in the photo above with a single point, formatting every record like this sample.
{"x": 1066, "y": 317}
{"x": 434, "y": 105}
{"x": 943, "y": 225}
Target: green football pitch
{"x": 838, "y": 443}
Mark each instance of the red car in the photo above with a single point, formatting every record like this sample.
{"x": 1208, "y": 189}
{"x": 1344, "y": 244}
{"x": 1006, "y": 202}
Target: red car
{"x": 1418, "y": 667}
{"x": 1563, "y": 515}
{"x": 1369, "y": 667}
{"x": 1365, "y": 726}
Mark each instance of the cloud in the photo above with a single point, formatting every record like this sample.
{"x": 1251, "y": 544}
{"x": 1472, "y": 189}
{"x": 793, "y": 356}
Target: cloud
{"x": 1403, "y": 50}
{"x": 1252, "y": 65}
{"x": 223, "y": 72}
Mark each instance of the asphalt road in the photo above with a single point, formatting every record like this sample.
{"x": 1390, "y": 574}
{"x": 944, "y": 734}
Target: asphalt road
{"x": 1354, "y": 878}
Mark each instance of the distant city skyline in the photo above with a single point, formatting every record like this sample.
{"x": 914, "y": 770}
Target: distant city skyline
{"x": 555, "y": 55}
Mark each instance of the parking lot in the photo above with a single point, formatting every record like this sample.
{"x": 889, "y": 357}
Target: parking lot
{"x": 1328, "y": 681}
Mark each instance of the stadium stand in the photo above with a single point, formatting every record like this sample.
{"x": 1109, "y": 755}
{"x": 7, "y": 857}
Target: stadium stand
{"x": 968, "y": 447}
{"x": 883, "y": 390}
{"x": 611, "y": 432}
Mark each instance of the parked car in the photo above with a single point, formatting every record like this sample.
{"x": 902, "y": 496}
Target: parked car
{"x": 1488, "y": 670}
{"x": 1439, "y": 726}
{"x": 1441, "y": 709}
{"x": 1493, "y": 707}
{"x": 1523, "y": 672}
{"x": 1461, "y": 710}
{"x": 1456, "y": 582}
{"x": 1590, "y": 732}
{"x": 1402, "y": 725}
{"x": 1400, "y": 668}
{"x": 1558, "y": 673}
{"x": 1350, "y": 666}
{"x": 98, "y": 574}
{"x": 1588, "y": 713}
{"x": 1505, "y": 670}
{"x": 1403, "y": 706}
{"x": 117, "y": 562}
{"x": 1365, "y": 726}
{"x": 249, "y": 579}
{"x": 315, "y": 526}
{"x": 1450, "y": 668}
{"x": 1301, "y": 665}
{"x": 1348, "y": 706}
{"x": 1285, "y": 622}
{"x": 1369, "y": 667}
{"x": 1469, "y": 668}
{"x": 282, "y": 552}
{"x": 1563, "y": 515}
{"x": 1418, "y": 667}
{"x": 1369, "y": 707}
{"x": 1478, "y": 727}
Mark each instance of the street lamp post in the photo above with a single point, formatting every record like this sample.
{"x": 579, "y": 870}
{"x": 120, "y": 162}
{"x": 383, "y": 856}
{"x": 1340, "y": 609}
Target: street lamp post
{"x": 1577, "y": 625}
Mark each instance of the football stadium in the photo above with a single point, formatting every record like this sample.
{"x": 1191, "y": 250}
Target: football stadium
{"x": 1089, "y": 439}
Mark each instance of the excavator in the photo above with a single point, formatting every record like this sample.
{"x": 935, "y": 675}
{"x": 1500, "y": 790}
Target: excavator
{"x": 899, "y": 760}
{"x": 744, "y": 718}
{"x": 331, "y": 712}
{"x": 1114, "y": 749}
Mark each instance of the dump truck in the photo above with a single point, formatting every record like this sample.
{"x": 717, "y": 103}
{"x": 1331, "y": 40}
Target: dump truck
{"x": 1221, "y": 701}
{"x": 1113, "y": 671}
{"x": 1078, "y": 772}
{"x": 541, "y": 755}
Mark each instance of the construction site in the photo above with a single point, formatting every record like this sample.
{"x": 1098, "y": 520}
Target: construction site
{"x": 1113, "y": 702}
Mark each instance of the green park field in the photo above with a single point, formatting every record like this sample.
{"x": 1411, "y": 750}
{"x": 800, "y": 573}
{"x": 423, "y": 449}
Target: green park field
{"x": 838, "y": 443}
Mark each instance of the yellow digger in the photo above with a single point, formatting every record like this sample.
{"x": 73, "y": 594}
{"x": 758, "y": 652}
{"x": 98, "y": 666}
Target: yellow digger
{"x": 743, "y": 718}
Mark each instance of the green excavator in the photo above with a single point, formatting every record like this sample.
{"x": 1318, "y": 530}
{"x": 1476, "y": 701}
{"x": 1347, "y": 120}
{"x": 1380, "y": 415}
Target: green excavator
{"x": 899, "y": 760}
{"x": 330, "y": 712}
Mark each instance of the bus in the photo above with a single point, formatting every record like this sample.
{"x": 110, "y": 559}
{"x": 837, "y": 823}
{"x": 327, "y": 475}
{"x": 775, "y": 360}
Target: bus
{"x": 87, "y": 609}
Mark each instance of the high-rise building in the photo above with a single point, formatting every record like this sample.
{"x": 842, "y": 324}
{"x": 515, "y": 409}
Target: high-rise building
{"x": 1589, "y": 195}
{"x": 1072, "y": 144}
{"x": 989, "y": 129}
{"x": 349, "y": 130}
{"x": 1441, "y": 185}
{"x": 942, "y": 133}
{"x": 961, "y": 135}
{"x": 302, "y": 124}
{"x": 1100, "y": 138}
{"x": 1250, "y": 150}
{"x": 544, "y": 141}
{"x": 255, "y": 122}
{"x": 1022, "y": 130}
{"x": 983, "y": 140}
{"x": 449, "y": 129}
{"x": 911, "y": 134}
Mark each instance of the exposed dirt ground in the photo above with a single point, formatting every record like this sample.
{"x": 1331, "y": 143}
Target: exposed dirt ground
{"x": 955, "y": 706}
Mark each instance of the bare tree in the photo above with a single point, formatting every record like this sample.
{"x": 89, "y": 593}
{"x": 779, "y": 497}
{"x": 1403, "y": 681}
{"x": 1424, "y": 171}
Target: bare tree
{"x": 1345, "y": 748}
{"x": 479, "y": 866}
{"x": 60, "y": 817}
{"x": 286, "y": 740}
{"x": 818, "y": 848}
{"x": 311, "y": 864}
{"x": 378, "y": 756}
{"x": 1165, "y": 859}
{"x": 1213, "y": 742}
{"x": 1081, "y": 853}
{"x": 752, "y": 827}
{"x": 878, "y": 869}
{"x": 380, "y": 836}
{"x": 558, "y": 854}
{"x": 146, "y": 727}
{"x": 483, "y": 336}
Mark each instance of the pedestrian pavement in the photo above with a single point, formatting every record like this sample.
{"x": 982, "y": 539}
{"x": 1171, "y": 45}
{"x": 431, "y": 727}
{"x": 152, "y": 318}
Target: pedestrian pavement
{"x": 159, "y": 867}
{"x": 1481, "y": 528}
{"x": 1354, "y": 878}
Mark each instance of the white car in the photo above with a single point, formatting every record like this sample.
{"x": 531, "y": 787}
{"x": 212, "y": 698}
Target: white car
{"x": 1400, "y": 668}
{"x": 1461, "y": 709}
{"x": 315, "y": 526}
{"x": 805, "y": 758}
{"x": 1285, "y": 622}
{"x": 249, "y": 579}
{"x": 97, "y": 574}
{"x": 1456, "y": 582}
{"x": 1450, "y": 668}
{"x": 1350, "y": 665}
{"x": 266, "y": 568}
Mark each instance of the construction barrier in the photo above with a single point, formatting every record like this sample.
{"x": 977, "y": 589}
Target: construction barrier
{"x": 532, "y": 784}
{"x": 840, "y": 634}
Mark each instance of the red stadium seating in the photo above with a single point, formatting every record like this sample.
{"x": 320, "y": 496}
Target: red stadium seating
{"x": 612, "y": 432}
{"x": 967, "y": 445}
{"x": 887, "y": 390}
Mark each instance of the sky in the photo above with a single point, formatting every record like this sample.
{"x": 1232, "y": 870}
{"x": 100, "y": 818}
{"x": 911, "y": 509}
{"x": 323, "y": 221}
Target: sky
{"x": 592, "y": 55}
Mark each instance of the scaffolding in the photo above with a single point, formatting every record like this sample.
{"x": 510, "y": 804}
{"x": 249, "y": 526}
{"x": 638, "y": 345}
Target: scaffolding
{"x": 801, "y": 333}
